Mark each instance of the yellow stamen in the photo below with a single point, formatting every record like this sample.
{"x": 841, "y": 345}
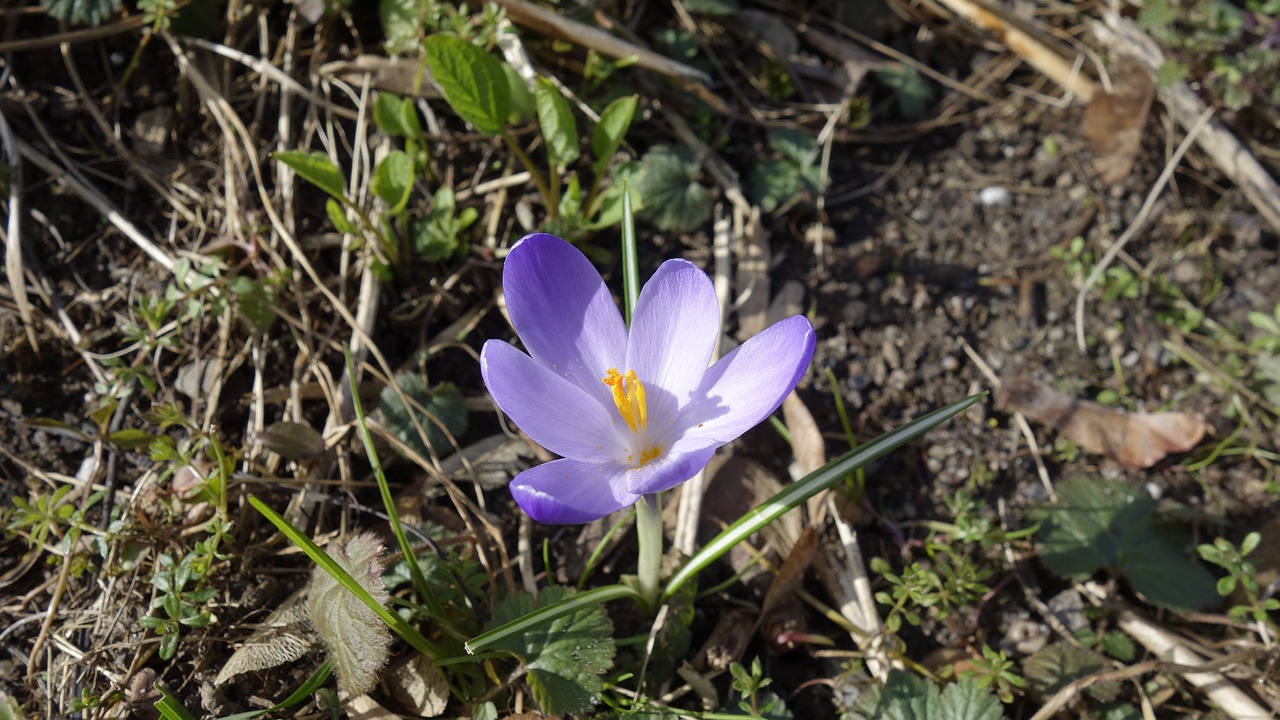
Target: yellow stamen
{"x": 628, "y": 396}
{"x": 650, "y": 454}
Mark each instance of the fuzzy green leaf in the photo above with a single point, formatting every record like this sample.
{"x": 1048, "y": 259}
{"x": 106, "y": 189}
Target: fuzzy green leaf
{"x": 673, "y": 199}
{"x": 358, "y": 640}
{"x": 966, "y": 700}
{"x": 443, "y": 407}
{"x": 907, "y": 696}
{"x": 472, "y": 82}
{"x": 1051, "y": 669}
{"x": 82, "y": 12}
{"x": 555, "y": 118}
{"x": 615, "y": 120}
{"x": 1106, "y": 524}
{"x": 393, "y": 181}
{"x": 316, "y": 168}
{"x": 566, "y": 657}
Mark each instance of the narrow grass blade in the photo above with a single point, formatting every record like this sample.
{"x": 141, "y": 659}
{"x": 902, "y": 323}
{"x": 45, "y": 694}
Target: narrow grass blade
{"x": 397, "y": 624}
{"x": 630, "y": 265}
{"x": 301, "y": 695}
{"x": 797, "y": 493}
{"x": 169, "y": 707}
{"x": 415, "y": 573}
{"x": 551, "y": 612}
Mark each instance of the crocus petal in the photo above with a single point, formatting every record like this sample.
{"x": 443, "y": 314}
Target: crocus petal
{"x": 748, "y": 384}
{"x": 569, "y": 492}
{"x": 556, "y": 413}
{"x": 562, "y": 311}
{"x": 673, "y": 332}
{"x": 672, "y": 468}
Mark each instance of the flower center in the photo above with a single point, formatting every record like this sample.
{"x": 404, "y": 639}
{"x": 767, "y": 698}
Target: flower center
{"x": 628, "y": 396}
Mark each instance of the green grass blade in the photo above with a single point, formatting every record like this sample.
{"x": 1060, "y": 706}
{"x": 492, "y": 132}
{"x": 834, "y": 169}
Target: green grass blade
{"x": 397, "y": 624}
{"x": 551, "y": 612}
{"x": 302, "y": 694}
{"x": 169, "y": 707}
{"x": 630, "y": 265}
{"x": 797, "y": 493}
{"x": 384, "y": 489}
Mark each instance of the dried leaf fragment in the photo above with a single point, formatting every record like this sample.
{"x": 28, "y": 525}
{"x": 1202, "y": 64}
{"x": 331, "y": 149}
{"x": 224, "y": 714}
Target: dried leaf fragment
{"x": 1113, "y": 121}
{"x": 1135, "y": 440}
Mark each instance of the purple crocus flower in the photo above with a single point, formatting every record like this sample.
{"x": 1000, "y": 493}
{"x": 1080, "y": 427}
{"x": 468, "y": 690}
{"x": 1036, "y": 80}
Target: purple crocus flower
{"x": 630, "y": 412}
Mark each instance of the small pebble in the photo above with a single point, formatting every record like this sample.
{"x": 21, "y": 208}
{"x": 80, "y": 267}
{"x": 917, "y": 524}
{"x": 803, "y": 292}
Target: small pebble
{"x": 995, "y": 196}
{"x": 950, "y": 363}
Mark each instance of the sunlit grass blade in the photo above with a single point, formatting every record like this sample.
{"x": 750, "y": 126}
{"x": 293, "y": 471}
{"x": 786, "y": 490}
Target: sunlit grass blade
{"x": 797, "y": 493}
{"x": 630, "y": 264}
{"x": 397, "y": 624}
{"x": 301, "y": 695}
{"x": 169, "y": 707}
{"x": 384, "y": 489}
{"x": 544, "y": 615}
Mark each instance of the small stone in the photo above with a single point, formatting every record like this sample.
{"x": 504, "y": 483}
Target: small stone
{"x": 995, "y": 196}
{"x": 950, "y": 363}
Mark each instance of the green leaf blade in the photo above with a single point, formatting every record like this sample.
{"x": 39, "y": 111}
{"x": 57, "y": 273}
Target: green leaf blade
{"x": 615, "y": 120}
{"x": 317, "y": 169}
{"x": 393, "y": 181}
{"x": 555, "y": 118}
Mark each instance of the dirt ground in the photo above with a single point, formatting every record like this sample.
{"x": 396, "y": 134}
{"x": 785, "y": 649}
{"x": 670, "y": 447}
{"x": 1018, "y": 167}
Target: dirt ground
{"x": 947, "y": 248}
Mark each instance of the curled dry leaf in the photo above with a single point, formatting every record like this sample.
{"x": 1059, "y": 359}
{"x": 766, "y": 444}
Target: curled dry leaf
{"x": 282, "y": 639}
{"x": 1136, "y": 440}
{"x": 1113, "y": 121}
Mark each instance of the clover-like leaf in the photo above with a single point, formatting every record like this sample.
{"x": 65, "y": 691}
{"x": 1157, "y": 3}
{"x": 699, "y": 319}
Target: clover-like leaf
{"x": 966, "y": 700}
{"x": 438, "y": 410}
{"x": 1100, "y": 524}
{"x": 673, "y": 199}
{"x": 1060, "y": 663}
{"x": 472, "y": 82}
{"x": 358, "y": 640}
{"x": 565, "y": 658}
{"x": 906, "y": 696}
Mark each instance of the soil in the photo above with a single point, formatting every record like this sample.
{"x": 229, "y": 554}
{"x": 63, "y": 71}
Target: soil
{"x": 947, "y": 256}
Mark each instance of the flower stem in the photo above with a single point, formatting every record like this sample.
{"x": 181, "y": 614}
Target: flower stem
{"x": 649, "y": 537}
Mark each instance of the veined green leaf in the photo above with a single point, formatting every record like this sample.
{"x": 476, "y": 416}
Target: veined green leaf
{"x": 359, "y": 642}
{"x": 316, "y": 168}
{"x": 472, "y": 82}
{"x": 609, "y": 132}
{"x": 396, "y": 116}
{"x": 555, "y": 118}
{"x": 566, "y": 657}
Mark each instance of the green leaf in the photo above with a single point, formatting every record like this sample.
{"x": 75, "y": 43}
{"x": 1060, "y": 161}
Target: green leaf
{"x": 522, "y": 109}
{"x": 358, "y": 641}
{"x": 316, "y": 168}
{"x": 1060, "y": 663}
{"x": 393, "y": 181}
{"x": 169, "y": 707}
{"x": 256, "y": 302}
{"x": 794, "y": 145}
{"x": 773, "y": 183}
{"x": 1101, "y": 524}
{"x": 131, "y": 438}
{"x": 401, "y": 22}
{"x": 396, "y": 116}
{"x": 566, "y": 657}
{"x": 907, "y": 696}
{"x": 614, "y": 122}
{"x": 912, "y": 90}
{"x": 472, "y": 82}
{"x": 1118, "y": 645}
{"x": 443, "y": 408}
{"x": 712, "y": 7}
{"x": 82, "y": 12}
{"x": 673, "y": 198}
{"x": 966, "y": 700}
{"x": 338, "y": 217}
{"x": 555, "y": 118}
{"x": 1170, "y": 73}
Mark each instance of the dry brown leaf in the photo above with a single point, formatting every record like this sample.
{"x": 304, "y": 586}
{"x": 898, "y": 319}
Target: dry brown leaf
{"x": 419, "y": 685}
{"x": 728, "y": 641}
{"x": 806, "y": 439}
{"x": 282, "y": 639}
{"x": 1136, "y": 440}
{"x": 1113, "y": 121}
